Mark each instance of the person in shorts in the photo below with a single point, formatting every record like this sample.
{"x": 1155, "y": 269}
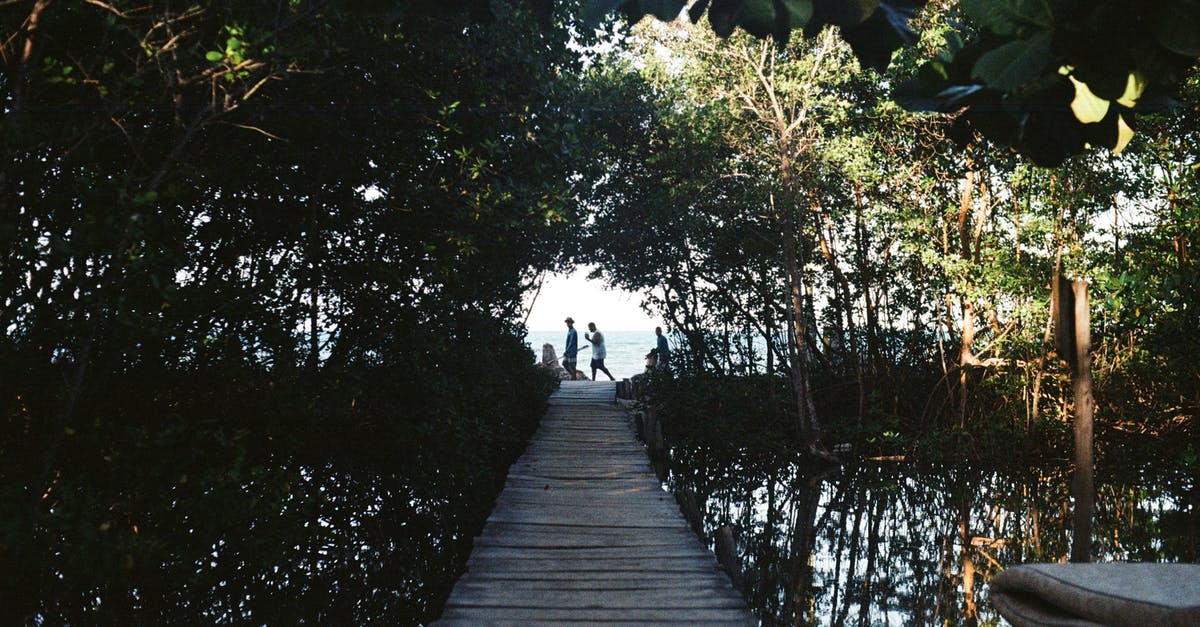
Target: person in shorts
{"x": 598, "y": 351}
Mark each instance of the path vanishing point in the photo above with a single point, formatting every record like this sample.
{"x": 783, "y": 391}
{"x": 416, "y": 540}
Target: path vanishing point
{"x": 583, "y": 532}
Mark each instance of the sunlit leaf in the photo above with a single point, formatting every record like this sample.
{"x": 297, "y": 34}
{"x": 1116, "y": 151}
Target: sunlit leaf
{"x": 1124, "y": 134}
{"x": 1133, "y": 90}
{"x": 1087, "y": 107}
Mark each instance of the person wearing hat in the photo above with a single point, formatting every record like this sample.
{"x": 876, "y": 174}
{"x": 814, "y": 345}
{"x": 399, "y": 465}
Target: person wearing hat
{"x": 571, "y": 352}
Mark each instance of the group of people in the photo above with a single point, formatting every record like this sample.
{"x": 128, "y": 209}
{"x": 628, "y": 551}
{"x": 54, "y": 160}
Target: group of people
{"x": 661, "y": 351}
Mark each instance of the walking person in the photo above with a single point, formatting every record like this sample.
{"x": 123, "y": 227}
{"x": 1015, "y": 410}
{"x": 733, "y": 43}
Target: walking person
{"x": 571, "y": 352}
{"x": 598, "y": 351}
{"x": 662, "y": 351}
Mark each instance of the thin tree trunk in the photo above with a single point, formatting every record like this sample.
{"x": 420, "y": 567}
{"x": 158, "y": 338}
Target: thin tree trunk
{"x": 314, "y": 292}
{"x": 1054, "y": 302}
{"x": 967, "y": 319}
{"x": 847, "y": 306}
{"x": 970, "y": 612}
{"x": 1082, "y": 486}
{"x": 862, "y": 254}
{"x": 804, "y": 539}
{"x": 810, "y": 430}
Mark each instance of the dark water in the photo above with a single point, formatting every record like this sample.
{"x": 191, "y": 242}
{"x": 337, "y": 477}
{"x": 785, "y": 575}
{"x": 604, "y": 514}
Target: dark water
{"x": 891, "y": 543}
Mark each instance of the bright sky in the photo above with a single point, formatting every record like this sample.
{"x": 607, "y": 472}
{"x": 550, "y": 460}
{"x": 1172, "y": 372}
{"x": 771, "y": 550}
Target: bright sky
{"x": 586, "y": 301}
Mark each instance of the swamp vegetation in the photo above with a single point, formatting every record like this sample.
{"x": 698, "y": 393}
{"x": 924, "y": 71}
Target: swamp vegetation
{"x": 262, "y": 266}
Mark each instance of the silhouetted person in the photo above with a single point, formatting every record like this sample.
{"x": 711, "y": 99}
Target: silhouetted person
{"x": 662, "y": 352}
{"x": 571, "y": 352}
{"x": 598, "y": 351}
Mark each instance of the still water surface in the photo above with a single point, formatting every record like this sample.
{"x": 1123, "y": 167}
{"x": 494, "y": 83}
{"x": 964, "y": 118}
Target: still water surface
{"x": 890, "y": 543}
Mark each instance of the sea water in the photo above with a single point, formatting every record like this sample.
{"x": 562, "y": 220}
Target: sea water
{"x": 626, "y": 350}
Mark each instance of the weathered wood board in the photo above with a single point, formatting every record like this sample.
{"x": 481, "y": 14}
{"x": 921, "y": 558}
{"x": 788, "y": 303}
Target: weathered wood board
{"x": 584, "y": 532}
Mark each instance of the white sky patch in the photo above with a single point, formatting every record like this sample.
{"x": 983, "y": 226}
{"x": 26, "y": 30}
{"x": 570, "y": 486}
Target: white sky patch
{"x": 586, "y": 301}
{"x": 370, "y": 192}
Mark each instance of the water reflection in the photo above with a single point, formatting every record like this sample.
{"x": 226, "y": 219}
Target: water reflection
{"x": 876, "y": 543}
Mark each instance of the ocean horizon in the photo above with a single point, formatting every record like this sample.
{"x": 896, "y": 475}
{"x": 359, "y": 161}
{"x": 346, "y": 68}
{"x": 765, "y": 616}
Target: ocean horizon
{"x": 626, "y": 349}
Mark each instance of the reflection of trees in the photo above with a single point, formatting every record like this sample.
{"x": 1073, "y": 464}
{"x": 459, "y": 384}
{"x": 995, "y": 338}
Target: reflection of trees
{"x": 804, "y": 541}
{"x": 877, "y": 544}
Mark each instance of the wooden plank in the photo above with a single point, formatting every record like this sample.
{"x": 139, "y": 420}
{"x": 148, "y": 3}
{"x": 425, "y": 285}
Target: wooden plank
{"x": 539, "y": 566}
{"x": 594, "y": 599}
{"x": 587, "y": 552}
{"x": 522, "y": 616}
{"x": 589, "y": 558}
{"x": 581, "y": 540}
{"x": 583, "y": 532}
{"x": 598, "y": 581}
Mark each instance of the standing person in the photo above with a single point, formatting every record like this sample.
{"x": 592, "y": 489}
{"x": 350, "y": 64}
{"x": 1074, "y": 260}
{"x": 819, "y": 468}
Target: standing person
{"x": 571, "y": 352}
{"x": 663, "y": 350}
{"x": 598, "y": 351}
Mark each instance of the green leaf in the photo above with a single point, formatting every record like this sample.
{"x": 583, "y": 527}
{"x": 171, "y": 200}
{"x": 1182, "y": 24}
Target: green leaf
{"x": 1014, "y": 64}
{"x": 723, "y": 16}
{"x": 1087, "y": 107}
{"x": 145, "y": 199}
{"x": 1010, "y": 18}
{"x": 799, "y": 12}
{"x": 595, "y": 11}
{"x": 665, "y": 10}
{"x": 758, "y": 17}
{"x": 1178, "y": 27}
{"x": 848, "y": 13}
{"x": 214, "y": 56}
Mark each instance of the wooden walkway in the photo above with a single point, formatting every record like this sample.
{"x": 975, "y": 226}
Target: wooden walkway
{"x": 583, "y": 532}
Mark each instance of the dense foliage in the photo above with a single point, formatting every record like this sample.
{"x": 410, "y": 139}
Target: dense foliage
{"x": 1050, "y": 78}
{"x": 260, "y": 278}
{"x": 262, "y": 264}
{"x": 925, "y": 268}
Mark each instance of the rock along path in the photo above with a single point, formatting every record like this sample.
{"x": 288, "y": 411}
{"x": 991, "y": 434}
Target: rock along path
{"x": 583, "y": 532}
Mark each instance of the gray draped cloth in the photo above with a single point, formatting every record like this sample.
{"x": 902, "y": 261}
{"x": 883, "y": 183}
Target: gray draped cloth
{"x": 1098, "y": 594}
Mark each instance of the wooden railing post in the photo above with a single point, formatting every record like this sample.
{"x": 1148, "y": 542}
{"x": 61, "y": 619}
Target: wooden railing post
{"x": 728, "y": 557}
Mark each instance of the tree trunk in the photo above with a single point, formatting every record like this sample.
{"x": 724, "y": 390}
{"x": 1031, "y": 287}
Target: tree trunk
{"x": 970, "y": 604}
{"x": 870, "y": 307}
{"x": 798, "y": 350}
{"x": 804, "y": 542}
{"x": 846, "y": 305}
{"x": 314, "y": 292}
{"x": 967, "y": 320}
{"x": 1082, "y": 488}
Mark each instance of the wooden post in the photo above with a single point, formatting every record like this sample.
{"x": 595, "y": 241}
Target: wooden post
{"x": 728, "y": 557}
{"x": 690, "y": 507}
{"x": 623, "y": 389}
{"x": 1082, "y": 486}
{"x": 1062, "y": 310}
{"x": 659, "y": 446}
